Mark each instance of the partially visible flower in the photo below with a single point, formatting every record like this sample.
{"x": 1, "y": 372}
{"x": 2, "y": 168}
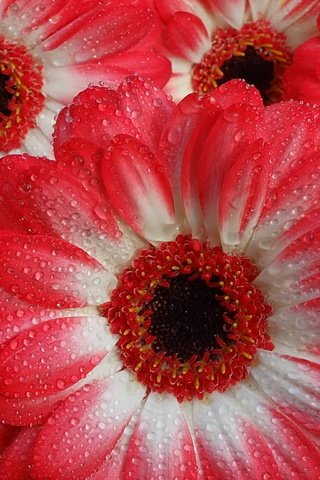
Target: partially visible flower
{"x": 160, "y": 290}
{"x": 211, "y": 42}
{"x": 302, "y": 79}
{"x": 52, "y": 49}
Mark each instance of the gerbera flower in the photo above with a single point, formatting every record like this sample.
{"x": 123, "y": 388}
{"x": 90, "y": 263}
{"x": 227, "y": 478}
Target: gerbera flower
{"x": 211, "y": 42}
{"x": 302, "y": 78}
{"x": 160, "y": 290}
{"x": 50, "y": 50}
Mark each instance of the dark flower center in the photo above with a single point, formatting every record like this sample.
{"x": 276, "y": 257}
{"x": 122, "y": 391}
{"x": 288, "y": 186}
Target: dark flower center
{"x": 5, "y": 95}
{"x": 187, "y": 318}
{"x": 252, "y": 68}
{"x": 256, "y": 53}
{"x": 21, "y": 98}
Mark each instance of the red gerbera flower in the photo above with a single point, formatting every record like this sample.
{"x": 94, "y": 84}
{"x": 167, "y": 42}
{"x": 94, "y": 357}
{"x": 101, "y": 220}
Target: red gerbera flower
{"x": 212, "y": 41}
{"x": 50, "y": 50}
{"x": 160, "y": 290}
{"x": 302, "y": 79}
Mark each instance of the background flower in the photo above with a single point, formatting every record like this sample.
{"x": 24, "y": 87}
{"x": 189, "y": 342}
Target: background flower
{"x": 232, "y": 178}
{"x": 302, "y": 79}
{"x": 211, "y": 42}
{"x": 52, "y": 49}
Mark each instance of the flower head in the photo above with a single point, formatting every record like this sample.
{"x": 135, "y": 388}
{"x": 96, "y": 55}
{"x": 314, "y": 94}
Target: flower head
{"x": 160, "y": 289}
{"x": 212, "y": 42}
{"x": 50, "y": 50}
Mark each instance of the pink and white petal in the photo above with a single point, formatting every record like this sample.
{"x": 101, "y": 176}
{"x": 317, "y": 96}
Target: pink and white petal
{"x": 179, "y": 85}
{"x": 161, "y": 444}
{"x": 81, "y": 432}
{"x": 33, "y": 410}
{"x": 112, "y": 70}
{"x": 258, "y": 8}
{"x": 41, "y": 200}
{"x": 7, "y": 434}
{"x": 113, "y": 465}
{"x": 195, "y": 7}
{"x": 297, "y": 327}
{"x": 138, "y": 188}
{"x": 228, "y": 443}
{"x": 45, "y": 122}
{"x": 187, "y": 37}
{"x": 108, "y": 31}
{"x": 300, "y": 16}
{"x": 293, "y": 385}
{"x": 242, "y": 195}
{"x": 148, "y": 108}
{"x": 295, "y": 454}
{"x": 234, "y": 129}
{"x": 53, "y": 355}
{"x": 49, "y": 272}
{"x": 294, "y": 167}
{"x": 291, "y": 277}
{"x": 232, "y": 11}
{"x": 16, "y": 461}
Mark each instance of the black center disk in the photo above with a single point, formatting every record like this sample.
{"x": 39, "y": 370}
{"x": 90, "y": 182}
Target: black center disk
{"x": 5, "y": 96}
{"x": 251, "y": 68}
{"x": 186, "y": 318}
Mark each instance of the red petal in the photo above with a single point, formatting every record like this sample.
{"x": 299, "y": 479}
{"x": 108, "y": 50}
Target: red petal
{"x": 15, "y": 464}
{"x": 147, "y": 107}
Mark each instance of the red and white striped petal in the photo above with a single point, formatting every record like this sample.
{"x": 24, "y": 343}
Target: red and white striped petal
{"x": 33, "y": 410}
{"x": 79, "y": 435}
{"x": 295, "y": 454}
{"x": 138, "y": 188}
{"x": 108, "y": 30}
{"x": 294, "y": 170}
{"x": 232, "y": 11}
{"x": 291, "y": 277}
{"x": 53, "y": 356}
{"x": 297, "y": 327}
{"x": 161, "y": 444}
{"x": 148, "y": 108}
{"x": 296, "y": 18}
{"x": 49, "y": 272}
{"x": 258, "y": 8}
{"x": 41, "y": 200}
{"x": 293, "y": 385}
{"x": 228, "y": 443}
{"x": 231, "y": 133}
{"x": 187, "y": 37}
{"x": 16, "y": 461}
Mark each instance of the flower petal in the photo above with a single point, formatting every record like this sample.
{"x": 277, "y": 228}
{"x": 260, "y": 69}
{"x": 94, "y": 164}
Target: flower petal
{"x": 38, "y": 199}
{"x": 139, "y": 191}
{"x": 231, "y": 11}
{"x": 229, "y": 444}
{"x": 7, "y": 433}
{"x": 187, "y": 37}
{"x": 283, "y": 436}
{"x": 50, "y": 272}
{"x": 161, "y": 444}
{"x": 292, "y": 383}
{"x": 15, "y": 462}
{"x": 53, "y": 356}
{"x": 148, "y": 108}
{"x": 83, "y": 430}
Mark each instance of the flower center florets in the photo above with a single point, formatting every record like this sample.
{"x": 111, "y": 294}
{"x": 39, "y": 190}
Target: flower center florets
{"x": 20, "y": 94}
{"x": 256, "y": 53}
{"x": 188, "y": 317}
